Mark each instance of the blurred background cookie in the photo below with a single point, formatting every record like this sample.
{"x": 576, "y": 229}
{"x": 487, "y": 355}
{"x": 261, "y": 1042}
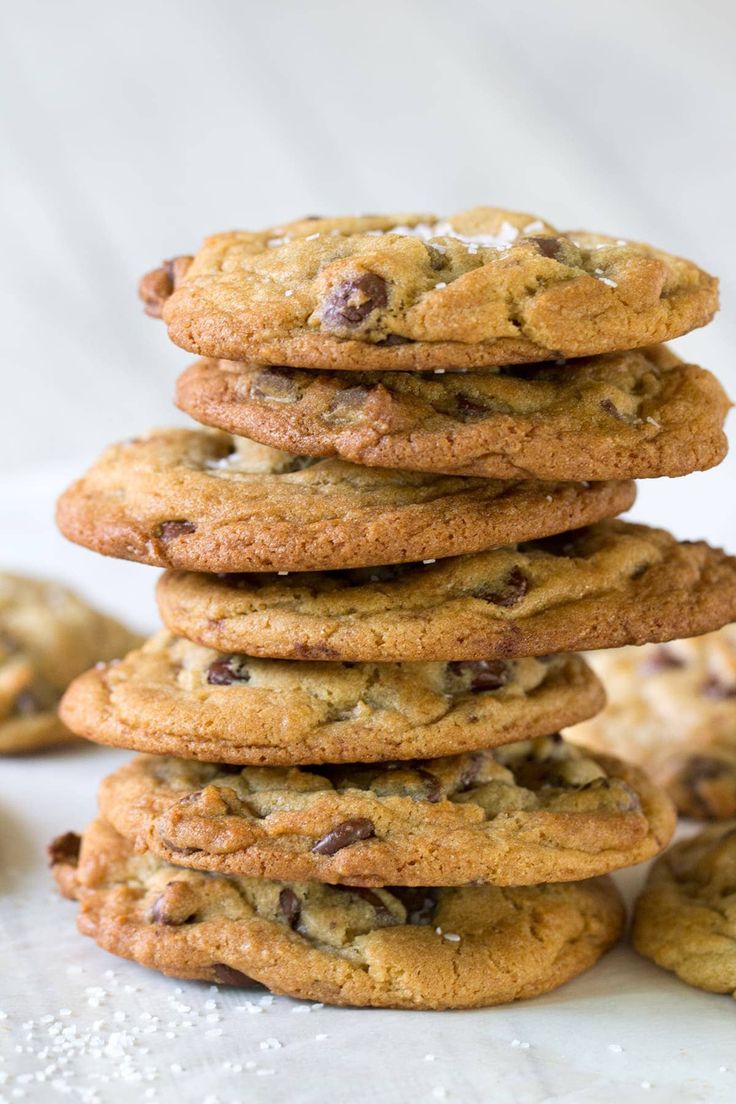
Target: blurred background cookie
{"x": 48, "y": 635}
{"x": 672, "y": 709}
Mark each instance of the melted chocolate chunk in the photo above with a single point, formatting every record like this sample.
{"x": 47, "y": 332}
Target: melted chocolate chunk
{"x": 485, "y": 674}
{"x": 343, "y": 835}
{"x": 290, "y": 907}
{"x": 513, "y": 589}
{"x": 275, "y": 384}
{"x": 227, "y": 975}
{"x": 469, "y": 771}
{"x": 610, "y": 408}
{"x": 227, "y": 670}
{"x": 350, "y": 303}
{"x": 173, "y": 906}
{"x": 26, "y": 704}
{"x": 434, "y": 786}
{"x": 420, "y": 903}
{"x": 65, "y": 849}
{"x": 548, "y": 246}
{"x": 395, "y": 339}
{"x": 662, "y": 659}
{"x": 467, "y": 408}
{"x": 717, "y": 690}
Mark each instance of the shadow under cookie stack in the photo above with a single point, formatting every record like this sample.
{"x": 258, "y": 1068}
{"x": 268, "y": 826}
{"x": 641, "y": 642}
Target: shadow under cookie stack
{"x": 381, "y": 559}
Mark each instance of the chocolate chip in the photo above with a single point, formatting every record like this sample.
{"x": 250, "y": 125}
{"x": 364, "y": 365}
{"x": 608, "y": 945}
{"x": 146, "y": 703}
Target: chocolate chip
{"x": 347, "y": 406}
{"x": 26, "y": 704}
{"x": 185, "y": 851}
{"x": 227, "y": 975}
{"x": 350, "y": 302}
{"x": 227, "y": 670}
{"x": 513, "y": 589}
{"x": 717, "y": 690}
{"x": 420, "y": 903}
{"x": 170, "y": 530}
{"x": 610, "y": 408}
{"x": 469, "y": 772}
{"x": 548, "y": 246}
{"x": 381, "y": 910}
{"x": 290, "y": 907}
{"x": 177, "y": 268}
{"x": 343, "y": 835}
{"x": 661, "y": 659}
{"x": 394, "y": 339}
{"x": 468, "y": 408}
{"x": 65, "y": 849}
{"x": 437, "y": 259}
{"x": 156, "y": 286}
{"x": 433, "y": 785}
{"x": 485, "y": 674}
{"x": 562, "y": 544}
{"x": 276, "y": 384}
{"x": 173, "y": 906}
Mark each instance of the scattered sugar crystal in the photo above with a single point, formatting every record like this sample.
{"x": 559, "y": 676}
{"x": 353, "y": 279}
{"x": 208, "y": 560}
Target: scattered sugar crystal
{"x": 440, "y": 285}
{"x": 451, "y": 937}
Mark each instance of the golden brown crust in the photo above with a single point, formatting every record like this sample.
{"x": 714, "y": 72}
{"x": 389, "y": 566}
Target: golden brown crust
{"x": 529, "y": 812}
{"x": 176, "y": 698}
{"x": 672, "y": 709}
{"x": 205, "y": 501}
{"x": 400, "y": 292}
{"x": 685, "y": 919}
{"x": 611, "y": 584}
{"x": 343, "y": 949}
{"x": 622, "y": 416}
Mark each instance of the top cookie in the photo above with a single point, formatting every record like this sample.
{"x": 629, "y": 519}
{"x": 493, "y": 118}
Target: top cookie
{"x": 205, "y": 501}
{"x": 485, "y": 286}
{"x": 48, "y": 636}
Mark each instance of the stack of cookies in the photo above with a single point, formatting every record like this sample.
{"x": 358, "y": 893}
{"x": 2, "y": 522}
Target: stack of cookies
{"x": 381, "y": 554}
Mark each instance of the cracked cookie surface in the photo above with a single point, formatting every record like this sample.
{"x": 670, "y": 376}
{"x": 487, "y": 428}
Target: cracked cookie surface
{"x": 486, "y": 286}
{"x": 672, "y": 709}
{"x": 526, "y": 813}
{"x": 206, "y": 501}
{"x": 622, "y": 416}
{"x": 603, "y": 586}
{"x": 48, "y": 635}
{"x": 392, "y": 948}
{"x": 177, "y": 698}
{"x": 685, "y": 918}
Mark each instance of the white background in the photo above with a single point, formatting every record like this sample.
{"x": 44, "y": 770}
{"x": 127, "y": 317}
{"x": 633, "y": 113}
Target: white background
{"x": 129, "y": 132}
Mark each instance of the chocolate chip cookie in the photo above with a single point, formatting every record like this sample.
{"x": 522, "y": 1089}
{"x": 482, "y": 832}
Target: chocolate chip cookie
{"x": 610, "y": 584}
{"x": 48, "y": 635}
{"x": 206, "y": 501}
{"x": 528, "y": 812}
{"x": 176, "y": 698}
{"x": 392, "y": 948}
{"x": 685, "y": 919}
{"x": 672, "y": 709}
{"x": 486, "y": 286}
{"x": 621, "y": 416}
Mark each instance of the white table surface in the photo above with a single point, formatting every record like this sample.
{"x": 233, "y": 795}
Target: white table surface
{"x": 131, "y": 131}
